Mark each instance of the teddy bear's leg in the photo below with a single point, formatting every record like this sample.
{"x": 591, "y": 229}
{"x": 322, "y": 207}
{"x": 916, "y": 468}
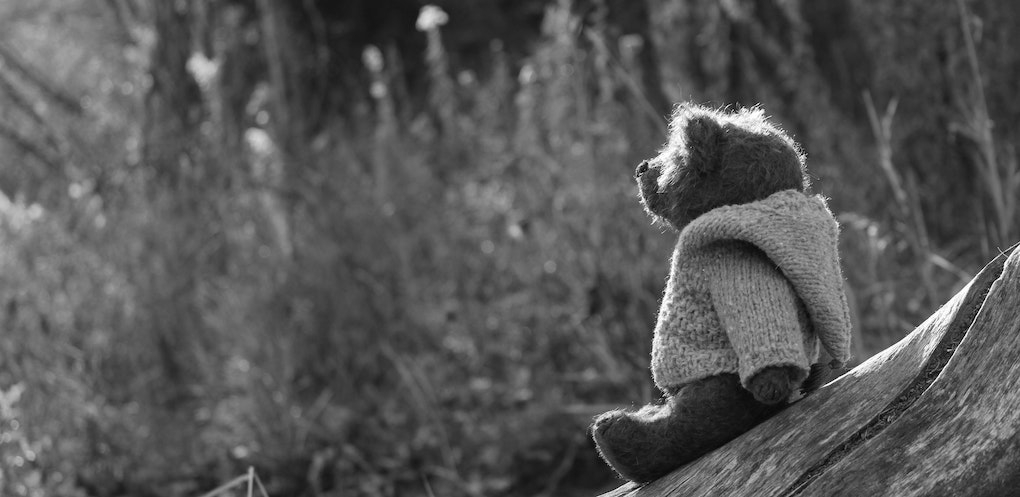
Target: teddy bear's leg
{"x": 645, "y": 445}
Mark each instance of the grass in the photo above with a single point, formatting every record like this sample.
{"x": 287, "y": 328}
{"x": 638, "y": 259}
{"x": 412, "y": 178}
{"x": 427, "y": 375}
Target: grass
{"x": 437, "y": 298}
{"x": 249, "y": 480}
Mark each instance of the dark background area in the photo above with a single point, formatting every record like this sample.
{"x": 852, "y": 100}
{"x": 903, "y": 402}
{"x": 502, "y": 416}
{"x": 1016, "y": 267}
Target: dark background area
{"x": 373, "y": 249}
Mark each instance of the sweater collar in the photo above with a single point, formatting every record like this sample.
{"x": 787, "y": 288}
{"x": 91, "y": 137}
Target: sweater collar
{"x": 786, "y": 220}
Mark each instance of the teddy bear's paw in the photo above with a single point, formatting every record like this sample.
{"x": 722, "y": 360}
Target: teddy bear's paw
{"x": 772, "y": 385}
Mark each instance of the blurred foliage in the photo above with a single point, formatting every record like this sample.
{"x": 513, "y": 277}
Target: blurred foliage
{"x": 379, "y": 248}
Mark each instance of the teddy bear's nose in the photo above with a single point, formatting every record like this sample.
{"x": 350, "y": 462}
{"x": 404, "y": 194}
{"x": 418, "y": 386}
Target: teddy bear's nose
{"x": 641, "y": 168}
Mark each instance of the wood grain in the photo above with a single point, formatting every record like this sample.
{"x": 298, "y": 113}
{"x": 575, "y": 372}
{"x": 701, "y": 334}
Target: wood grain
{"x": 821, "y": 445}
{"x": 962, "y": 437}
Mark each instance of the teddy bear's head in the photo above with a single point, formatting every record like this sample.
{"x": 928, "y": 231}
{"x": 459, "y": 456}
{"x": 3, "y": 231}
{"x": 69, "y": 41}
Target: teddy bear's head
{"x": 715, "y": 158}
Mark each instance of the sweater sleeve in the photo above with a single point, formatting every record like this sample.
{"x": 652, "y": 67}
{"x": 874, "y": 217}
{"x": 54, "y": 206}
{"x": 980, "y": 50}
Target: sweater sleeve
{"x": 757, "y": 307}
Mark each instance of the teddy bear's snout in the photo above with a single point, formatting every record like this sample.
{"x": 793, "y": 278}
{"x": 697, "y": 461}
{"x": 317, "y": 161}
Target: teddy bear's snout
{"x": 642, "y": 168}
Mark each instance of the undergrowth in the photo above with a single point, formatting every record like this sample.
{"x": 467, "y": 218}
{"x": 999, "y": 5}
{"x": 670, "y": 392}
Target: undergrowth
{"x": 436, "y": 294}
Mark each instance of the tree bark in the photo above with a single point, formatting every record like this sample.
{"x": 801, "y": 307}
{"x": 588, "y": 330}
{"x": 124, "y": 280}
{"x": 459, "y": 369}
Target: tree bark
{"x": 937, "y": 413}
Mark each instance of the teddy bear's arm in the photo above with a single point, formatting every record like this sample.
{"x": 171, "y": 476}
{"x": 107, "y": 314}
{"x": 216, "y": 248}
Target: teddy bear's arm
{"x": 757, "y": 308}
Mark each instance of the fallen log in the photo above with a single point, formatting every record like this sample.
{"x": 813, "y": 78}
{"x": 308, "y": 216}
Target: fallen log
{"x": 938, "y": 413}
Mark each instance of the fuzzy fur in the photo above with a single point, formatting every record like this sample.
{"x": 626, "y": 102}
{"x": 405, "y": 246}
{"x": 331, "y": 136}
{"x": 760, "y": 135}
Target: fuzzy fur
{"x": 713, "y": 158}
{"x": 645, "y": 445}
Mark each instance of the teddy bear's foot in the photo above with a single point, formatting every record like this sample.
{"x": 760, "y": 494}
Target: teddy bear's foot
{"x": 630, "y": 442}
{"x": 645, "y": 445}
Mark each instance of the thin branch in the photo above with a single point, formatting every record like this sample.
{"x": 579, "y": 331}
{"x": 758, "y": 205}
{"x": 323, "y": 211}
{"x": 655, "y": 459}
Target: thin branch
{"x": 25, "y": 145}
{"x": 997, "y": 177}
{"x": 905, "y": 191}
{"x": 881, "y": 128}
{"x": 226, "y": 486}
{"x": 10, "y": 58}
{"x": 122, "y": 14}
{"x": 19, "y": 100}
{"x": 270, "y": 16}
{"x": 22, "y": 103}
{"x": 598, "y": 41}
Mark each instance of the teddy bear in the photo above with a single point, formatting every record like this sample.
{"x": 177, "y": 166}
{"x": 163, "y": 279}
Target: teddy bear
{"x": 754, "y": 286}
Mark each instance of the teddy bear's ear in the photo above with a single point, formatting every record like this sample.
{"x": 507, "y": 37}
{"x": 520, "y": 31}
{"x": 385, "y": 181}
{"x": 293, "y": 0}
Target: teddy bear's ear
{"x": 705, "y": 142}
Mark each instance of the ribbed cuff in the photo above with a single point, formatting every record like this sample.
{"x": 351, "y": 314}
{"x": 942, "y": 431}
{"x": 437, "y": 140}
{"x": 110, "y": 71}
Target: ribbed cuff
{"x": 680, "y": 367}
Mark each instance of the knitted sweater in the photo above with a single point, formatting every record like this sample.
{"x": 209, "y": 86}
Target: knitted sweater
{"x": 751, "y": 286}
